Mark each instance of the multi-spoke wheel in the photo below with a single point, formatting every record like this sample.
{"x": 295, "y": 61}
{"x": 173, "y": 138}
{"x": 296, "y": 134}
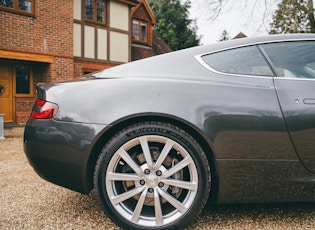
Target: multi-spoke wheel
{"x": 152, "y": 175}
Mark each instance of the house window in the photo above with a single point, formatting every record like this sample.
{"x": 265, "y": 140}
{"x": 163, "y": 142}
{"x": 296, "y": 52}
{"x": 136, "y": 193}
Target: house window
{"x": 19, "y": 6}
{"x": 135, "y": 32}
{"x": 95, "y": 11}
{"x": 23, "y": 80}
{"x": 139, "y": 31}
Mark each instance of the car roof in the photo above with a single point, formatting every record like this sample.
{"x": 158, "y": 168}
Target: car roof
{"x": 183, "y": 64}
{"x": 253, "y": 41}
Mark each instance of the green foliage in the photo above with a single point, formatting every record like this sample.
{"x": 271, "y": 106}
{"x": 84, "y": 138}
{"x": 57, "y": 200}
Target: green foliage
{"x": 224, "y": 36}
{"x": 293, "y": 16}
{"x": 173, "y": 23}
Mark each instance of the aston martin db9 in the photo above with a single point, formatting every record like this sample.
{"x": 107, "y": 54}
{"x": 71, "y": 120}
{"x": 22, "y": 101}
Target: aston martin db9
{"x": 230, "y": 122}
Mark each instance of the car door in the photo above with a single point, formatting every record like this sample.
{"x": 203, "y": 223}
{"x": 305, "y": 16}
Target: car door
{"x": 294, "y": 64}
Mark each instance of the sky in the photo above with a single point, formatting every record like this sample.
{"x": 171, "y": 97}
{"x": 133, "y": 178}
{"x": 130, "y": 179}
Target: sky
{"x": 238, "y": 16}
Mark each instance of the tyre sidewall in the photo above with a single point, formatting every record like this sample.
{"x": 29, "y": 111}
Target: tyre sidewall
{"x": 161, "y": 129}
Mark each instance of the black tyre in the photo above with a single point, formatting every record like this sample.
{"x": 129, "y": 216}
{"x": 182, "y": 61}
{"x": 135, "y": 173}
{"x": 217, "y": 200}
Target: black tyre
{"x": 152, "y": 176}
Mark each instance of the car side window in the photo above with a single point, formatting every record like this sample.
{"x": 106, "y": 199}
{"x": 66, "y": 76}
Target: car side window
{"x": 244, "y": 61}
{"x": 292, "y": 59}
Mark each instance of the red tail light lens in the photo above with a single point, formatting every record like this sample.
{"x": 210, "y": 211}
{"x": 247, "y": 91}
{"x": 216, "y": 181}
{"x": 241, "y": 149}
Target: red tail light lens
{"x": 44, "y": 110}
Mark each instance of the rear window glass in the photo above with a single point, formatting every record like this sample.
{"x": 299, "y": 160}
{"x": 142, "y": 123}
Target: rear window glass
{"x": 245, "y": 61}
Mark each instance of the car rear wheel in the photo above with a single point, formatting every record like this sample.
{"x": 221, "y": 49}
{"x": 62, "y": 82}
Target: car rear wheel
{"x": 152, "y": 176}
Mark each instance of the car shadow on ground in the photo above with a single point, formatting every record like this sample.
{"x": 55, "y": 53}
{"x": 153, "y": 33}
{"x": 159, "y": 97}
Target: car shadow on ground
{"x": 240, "y": 216}
{"x": 259, "y": 216}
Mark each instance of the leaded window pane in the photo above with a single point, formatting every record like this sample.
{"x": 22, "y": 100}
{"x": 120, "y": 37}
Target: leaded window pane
{"x": 100, "y": 10}
{"x": 143, "y": 31}
{"x": 7, "y": 3}
{"x": 25, "y": 5}
{"x": 135, "y": 31}
{"x": 23, "y": 79}
{"x": 89, "y": 9}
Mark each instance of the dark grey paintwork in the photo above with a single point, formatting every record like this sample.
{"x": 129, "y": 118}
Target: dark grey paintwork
{"x": 246, "y": 133}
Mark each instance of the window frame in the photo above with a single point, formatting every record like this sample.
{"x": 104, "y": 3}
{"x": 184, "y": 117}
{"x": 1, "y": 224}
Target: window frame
{"x": 139, "y": 22}
{"x": 94, "y": 20}
{"x": 15, "y": 8}
{"x": 31, "y": 81}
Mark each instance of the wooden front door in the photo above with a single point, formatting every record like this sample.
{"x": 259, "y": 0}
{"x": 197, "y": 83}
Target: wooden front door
{"x": 6, "y": 97}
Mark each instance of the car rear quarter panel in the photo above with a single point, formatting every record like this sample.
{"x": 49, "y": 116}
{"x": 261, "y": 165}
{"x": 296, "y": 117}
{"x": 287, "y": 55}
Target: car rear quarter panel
{"x": 61, "y": 161}
{"x": 222, "y": 110}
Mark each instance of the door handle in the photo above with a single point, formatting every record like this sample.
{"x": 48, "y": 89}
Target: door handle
{"x": 309, "y": 101}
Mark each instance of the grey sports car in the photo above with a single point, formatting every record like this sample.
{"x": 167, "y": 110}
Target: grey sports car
{"x": 157, "y": 138}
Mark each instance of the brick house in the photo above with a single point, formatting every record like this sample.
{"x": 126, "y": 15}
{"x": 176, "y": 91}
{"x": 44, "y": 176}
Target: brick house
{"x": 49, "y": 41}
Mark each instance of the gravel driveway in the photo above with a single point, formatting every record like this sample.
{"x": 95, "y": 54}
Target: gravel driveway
{"x": 28, "y": 202}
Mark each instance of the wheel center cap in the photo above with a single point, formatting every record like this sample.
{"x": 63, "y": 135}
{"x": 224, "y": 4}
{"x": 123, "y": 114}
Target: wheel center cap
{"x": 152, "y": 180}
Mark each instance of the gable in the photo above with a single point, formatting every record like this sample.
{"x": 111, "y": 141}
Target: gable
{"x": 142, "y": 14}
{"x": 143, "y": 11}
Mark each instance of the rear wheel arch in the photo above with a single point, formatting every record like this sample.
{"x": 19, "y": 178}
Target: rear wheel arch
{"x": 187, "y": 127}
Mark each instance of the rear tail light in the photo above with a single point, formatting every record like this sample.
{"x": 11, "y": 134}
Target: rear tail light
{"x": 44, "y": 109}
